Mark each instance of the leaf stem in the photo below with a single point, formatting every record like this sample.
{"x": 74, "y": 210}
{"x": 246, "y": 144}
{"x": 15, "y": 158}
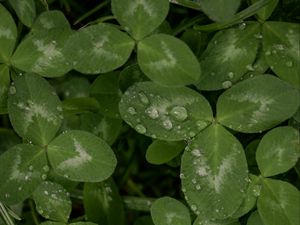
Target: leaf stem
{"x": 187, "y": 3}
{"x": 33, "y": 213}
{"x": 237, "y": 18}
{"x": 188, "y": 24}
{"x": 94, "y": 10}
{"x": 5, "y": 215}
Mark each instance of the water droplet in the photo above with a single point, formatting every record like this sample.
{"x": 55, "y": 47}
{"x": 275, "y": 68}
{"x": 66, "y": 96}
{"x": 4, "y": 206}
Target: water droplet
{"x": 53, "y": 42}
{"x": 131, "y": 111}
{"x": 7, "y": 195}
{"x": 194, "y": 207}
{"x": 44, "y": 176}
{"x": 250, "y": 67}
{"x": 258, "y": 36}
{"x": 230, "y": 75}
{"x": 201, "y": 125}
{"x": 46, "y": 168}
{"x": 183, "y": 190}
{"x": 212, "y": 73}
{"x": 267, "y": 53}
{"x": 198, "y": 187}
{"x": 196, "y": 152}
{"x": 179, "y": 113}
{"x": 289, "y": 63}
{"x": 30, "y": 168}
{"x": 242, "y": 26}
{"x": 26, "y": 177}
{"x": 192, "y": 134}
{"x": 194, "y": 181}
{"x": 182, "y": 176}
{"x": 12, "y": 90}
{"x": 46, "y": 192}
{"x": 274, "y": 52}
{"x": 140, "y": 128}
{"x": 152, "y": 112}
{"x": 226, "y": 84}
{"x": 167, "y": 124}
{"x": 20, "y": 188}
{"x": 143, "y": 98}
{"x": 59, "y": 108}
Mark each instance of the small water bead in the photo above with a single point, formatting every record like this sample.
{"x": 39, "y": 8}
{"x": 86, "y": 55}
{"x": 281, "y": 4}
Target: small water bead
{"x": 46, "y": 168}
{"x": 167, "y": 124}
{"x": 194, "y": 181}
{"x": 140, "y": 128}
{"x": 46, "y": 192}
{"x": 242, "y": 26}
{"x": 143, "y": 98}
{"x": 7, "y": 195}
{"x": 196, "y": 152}
{"x": 201, "y": 124}
{"x": 152, "y": 112}
{"x": 12, "y": 90}
{"x": 20, "y": 188}
{"x": 131, "y": 111}
{"x": 182, "y": 176}
{"x": 230, "y": 75}
{"x": 59, "y": 108}
{"x": 194, "y": 207}
{"x": 227, "y": 84}
{"x": 179, "y": 113}
{"x": 250, "y": 67}
{"x": 44, "y": 176}
{"x": 198, "y": 187}
{"x": 192, "y": 134}
{"x": 289, "y": 64}
{"x": 267, "y": 53}
{"x": 258, "y": 36}
{"x": 30, "y": 168}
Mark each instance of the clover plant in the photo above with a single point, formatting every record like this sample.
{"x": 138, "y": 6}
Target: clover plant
{"x": 149, "y": 112}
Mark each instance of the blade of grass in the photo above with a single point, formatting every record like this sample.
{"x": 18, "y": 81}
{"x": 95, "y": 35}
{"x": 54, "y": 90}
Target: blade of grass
{"x": 186, "y": 3}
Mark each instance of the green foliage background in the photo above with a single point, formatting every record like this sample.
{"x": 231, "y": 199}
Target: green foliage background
{"x": 147, "y": 112}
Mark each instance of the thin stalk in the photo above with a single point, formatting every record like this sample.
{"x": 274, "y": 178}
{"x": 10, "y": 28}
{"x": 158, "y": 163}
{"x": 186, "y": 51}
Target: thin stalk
{"x": 138, "y": 203}
{"x": 94, "y": 10}
{"x": 237, "y": 18}
{"x": 187, "y": 3}
{"x": 5, "y": 215}
{"x": 33, "y": 213}
{"x": 45, "y": 4}
{"x": 188, "y": 24}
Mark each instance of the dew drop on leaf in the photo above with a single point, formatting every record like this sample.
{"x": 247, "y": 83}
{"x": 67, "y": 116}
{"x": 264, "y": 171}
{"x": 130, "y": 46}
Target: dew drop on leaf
{"x": 143, "y": 98}
{"x": 12, "y": 90}
{"x": 131, "y": 111}
{"x": 230, "y": 75}
{"x": 140, "y": 128}
{"x": 167, "y": 124}
{"x": 289, "y": 64}
{"x": 226, "y": 84}
{"x": 179, "y": 113}
{"x": 152, "y": 112}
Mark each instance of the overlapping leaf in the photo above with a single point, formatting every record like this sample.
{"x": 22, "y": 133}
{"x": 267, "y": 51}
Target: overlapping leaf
{"x": 25, "y": 9}
{"x": 278, "y": 151}
{"x": 281, "y": 43}
{"x": 81, "y": 156}
{"x": 52, "y": 201}
{"x": 22, "y": 169}
{"x": 168, "y": 61}
{"x": 46, "y": 51}
{"x": 4, "y": 86}
{"x": 169, "y": 211}
{"x": 165, "y": 113}
{"x": 252, "y": 106}
{"x": 98, "y": 48}
{"x": 228, "y": 56}
{"x": 214, "y": 173}
{"x": 140, "y": 17}
{"x": 8, "y": 34}
{"x": 34, "y": 109}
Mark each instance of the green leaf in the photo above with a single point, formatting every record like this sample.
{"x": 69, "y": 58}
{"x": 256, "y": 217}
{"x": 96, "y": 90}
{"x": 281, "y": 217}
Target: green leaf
{"x": 105, "y": 89}
{"x": 104, "y": 127}
{"x": 220, "y": 10}
{"x": 81, "y": 156}
{"x": 278, "y": 203}
{"x": 25, "y": 9}
{"x": 228, "y": 56}
{"x": 52, "y": 201}
{"x": 34, "y": 109}
{"x": 103, "y": 203}
{"x": 278, "y": 151}
{"x": 108, "y": 48}
{"x": 252, "y": 106}
{"x": 130, "y": 75}
{"x": 21, "y": 171}
{"x": 214, "y": 173}
{"x": 170, "y": 114}
{"x": 169, "y": 211}
{"x": 140, "y": 18}
{"x": 8, "y": 34}
{"x": 50, "y": 19}
{"x": 80, "y": 105}
{"x": 168, "y": 61}
{"x": 266, "y": 11}
{"x": 254, "y": 219}
{"x": 52, "y": 223}
{"x": 160, "y": 152}
{"x": 46, "y": 51}
{"x": 281, "y": 44}
{"x": 250, "y": 197}
{"x": 4, "y": 86}
{"x": 200, "y": 220}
